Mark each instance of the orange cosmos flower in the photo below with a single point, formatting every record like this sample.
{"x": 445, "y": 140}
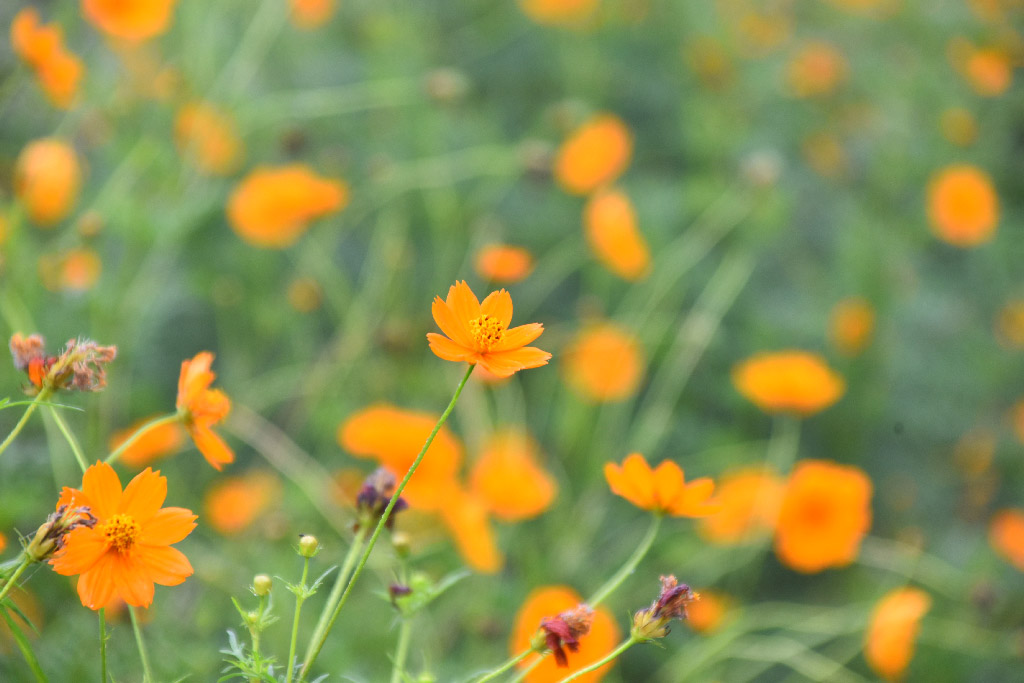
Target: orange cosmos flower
{"x": 129, "y": 548}
{"x": 851, "y": 324}
{"x": 201, "y": 407}
{"x": 796, "y": 382}
{"x": 133, "y": 20}
{"x": 272, "y": 207}
{"x": 1006, "y": 535}
{"x": 465, "y": 515}
{"x": 558, "y": 11}
{"x": 963, "y": 208}
{"x": 310, "y": 14}
{"x": 503, "y": 263}
{"x": 46, "y": 180}
{"x": 594, "y": 155}
{"x": 661, "y": 490}
{"x": 825, "y": 512}
{"x": 547, "y": 602}
{"x": 208, "y": 137}
{"x": 155, "y": 443}
{"x": 816, "y": 70}
{"x": 610, "y": 226}
{"x": 42, "y": 48}
{"x": 988, "y": 71}
{"x": 895, "y": 621}
{"x": 479, "y": 333}
{"x": 508, "y": 479}
{"x": 748, "y": 503}
{"x": 604, "y": 363}
{"x": 234, "y": 503}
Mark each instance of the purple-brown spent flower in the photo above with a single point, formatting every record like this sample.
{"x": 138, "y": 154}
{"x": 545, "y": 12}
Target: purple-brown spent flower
{"x": 564, "y": 631}
{"x": 398, "y": 590}
{"x": 653, "y": 622}
{"x": 49, "y": 538}
{"x": 374, "y": 496}
{"x": 81, "y": 366}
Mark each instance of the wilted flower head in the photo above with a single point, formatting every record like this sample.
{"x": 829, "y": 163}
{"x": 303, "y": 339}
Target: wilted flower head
{"x": 79, "y": 367}
{"x": 565, "y": 631}
{"x": 654, "y": 621}
{"x": 49, "y": 538}
{"x": 375, "y": 495}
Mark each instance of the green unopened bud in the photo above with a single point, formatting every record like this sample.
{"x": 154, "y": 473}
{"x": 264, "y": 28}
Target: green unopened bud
{"x": 309, "y": 546}
{"x": 426, "y": 677}
{"x": 261, "y": 585}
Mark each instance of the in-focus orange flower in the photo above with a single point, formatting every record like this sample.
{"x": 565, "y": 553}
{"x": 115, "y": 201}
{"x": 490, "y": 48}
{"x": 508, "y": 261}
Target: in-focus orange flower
{"x": 129, "y": 549}
{"x": 748, "y": 503}
{"x": 466, "y": 516}
{"x": 548, "y": 601}
{"x": 132, "y": 20}
{"x": 959, "y": 126}
{"x": 610, "y": 226}
{"x": 503, "y": 263}
{"x": 604, "y": 363}
{"x": 478, "y": 332}
{"x": 42, "y": 48}
{"x": 794, "y": 381}
{"x": 201, "y": 407}
{"x": 816, "y": 70}
{"x": 709, "y": 613}
{"x": 594, "y": 155}
{"x": 46, "y": 180}
{"x": 558, "y": 11}
{"x": 850, "y": 325}
{"x": 508, "y": 479}
{"x": 825, "y": 512}
{"x": 988, "y": 71}
{"x": 895, "y": 621}
{"x": 310, "y": 14}
{"x": 963, "y": 208}
{"x": 208, "y": 137}
{"x": 232, "y": 504}
{"x": 155, "y": 443}
{"x": 272, "y": 207}
{"x": 661, "y": 490}
{"x": 1006, "y": 535}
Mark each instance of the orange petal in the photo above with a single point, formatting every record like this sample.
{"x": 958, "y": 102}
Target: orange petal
{"x": 463, "y": 302}
{"x": 144, "y": 495}
{"x": 212, "y": 447}
{"x": 622, "y": 485}
{"x": 668, "y": 483}
{"x": 452, "y": 326}
{"x": 164, "y": 565}
{"x": 195, "y": 375}
{"x": 499, "y": 305}
{"x": 83, "y": 547}
{"x": 518, "y": 337}
{"x": 103, "y": 488}
{"x": 131, "y": 580}
{"x": 447, "y": 349}
{"x": 505, "y": 363}
{"x": 167, "y": 526}
{"x": 96, "y": 586}
{"x": 694, "y": 501}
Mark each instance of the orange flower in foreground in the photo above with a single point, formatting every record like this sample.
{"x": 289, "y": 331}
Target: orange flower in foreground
{"x": 895, "y": 621}
{"x": 479, "y": 333}
{"x": 1006, "y": 535}
{"x": 42, "y": 48}
{"x": 272, "y": 207}
{"x": 558, "y": 11}
{"x": 234, "y": 503}
{"x": 155, "y": 443}
{"x": 748, "y": 503}
{"x": 508, "y": 479}
{"x": 129, "y": 549}
{"x": 310, "y": 14}
{"x": 825, "y": 512}
{"x": 132, "y": 20}
{"x": 549, "y": 601}
{"x": 851, "y": 324}
{"x": 465, "y": 515}
{"x": 208, "y": 137}
{"x": 661, "y": 490}
{"x": 594, "y": 155}
{"x": 201, "y": 407}
{"x": 604, "y": 362}
{"x": 796, "y": 382}
{"x": 503, "y": 263}
{"x": 816, "y": 70}
{"x": 46, "y": 180}
{"x": 610, "y": 226}
{"x": 963, "y": 208}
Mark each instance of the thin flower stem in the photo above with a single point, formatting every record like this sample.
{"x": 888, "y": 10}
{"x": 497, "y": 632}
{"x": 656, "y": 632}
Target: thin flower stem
{"x": 103, "y": 645}
{"x": 9, "y": 583}
{"x": 318, "y": 644}
{"x": 300, "y": 598}
{"x": 70, "y": 438}
{"x": 401, "y": 650}
{"x": 625, "y": 645}
{"x": 147, "y": 672}
{"x": 43, "y": 394}
{"x": 491, "y": 675}
{"x": 526, "y": 672}
{"x": 255, "y": 633}
{"x": 152, "y": 424}
{"x": 630, "y": 566}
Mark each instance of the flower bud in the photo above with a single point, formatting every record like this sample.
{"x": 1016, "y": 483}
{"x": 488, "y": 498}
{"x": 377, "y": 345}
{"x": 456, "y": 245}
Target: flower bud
{"x": 654, "y": 621}
{"x": 309, "y": 545}
{"x": 49, "y": 537}
{"x": 261, "y": 585}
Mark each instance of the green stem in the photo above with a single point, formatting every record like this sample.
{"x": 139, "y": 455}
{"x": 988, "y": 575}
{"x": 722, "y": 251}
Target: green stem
{"x": 490, "y": 676}
{"x": 626, "y": 644}
{"x": 526, "y": 671}
{"x": 43, "y": 394}
{"x": 630, "y": 566}
{"x": 103, "y": 645}
{"x": 70, "y": 438}
{"x": 401, "y": 650}
{"x": 255, "y": 633}
{"x": 152, "y": 424}
{"x": 9, "y": 583}
{"x": 318, "y": 644}
{"x": 300, "y": 598}
{"x": 147, "y": 672}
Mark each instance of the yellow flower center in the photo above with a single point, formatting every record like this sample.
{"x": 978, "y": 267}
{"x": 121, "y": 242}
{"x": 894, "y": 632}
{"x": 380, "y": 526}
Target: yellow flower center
{"x": 487, "y": 331}
{"x": 122, "y": 531}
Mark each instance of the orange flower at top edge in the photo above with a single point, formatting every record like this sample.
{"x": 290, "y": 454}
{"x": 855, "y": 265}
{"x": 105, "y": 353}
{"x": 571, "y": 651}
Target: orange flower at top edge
{"x": 42, "y": 48}
{"x": 503, "y": 263}
{"x": 310, "y": 14}
{"x": 895, "y": 621}
{"x": 558, "y": 11}
{"x": 610, "y": 226}
{"x": 963, "y": 208}
{"x": 594, "y": 155}
{"x": 157, "y": 442}
{"x": 478, "y": 332}
{"x": 3, "y": 542}
{"x": 133, "y": 20}
{"x": 46, "y": 180}
{"x": 661, "y": 490}
{"x": 796, "y": 382}
{"x": 548, "y": 601}
{"x": 202, "y": 407}
{"x": 129, "y": 548}
{"x": 509, "y": 480}
{"x": 1006, "y": 535}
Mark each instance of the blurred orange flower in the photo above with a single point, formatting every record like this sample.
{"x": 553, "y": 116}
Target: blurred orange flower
{"x": 825, "y": 512}
{"x": 761, "y": 33}
{"x": 988, "y": 71}
{"x": 208, "y": 137}
{"x": 558, "y": 11}
{"x": 548, "y": 601}
{"x": 794, "y": 381}
{"x": 234, "y": 503}
{"x": 610, "y": 226}
{"x": 709, "y": 613}
{"x": 132, "y": 20}
{"x": 963, "y": 208}
{"x": 959, "y": 126}
{"x": 465, "y": 515}
{"x": 310, "y": 14}
{"x": 75, "y": 270}
{"x": 892, "y": 630}
{"x": 46, "y": 180}
{"x": 508, "y": 480}
{"x": 748, "y": 500}
{"x": 3, "y": 542}
{"x": 42, "y": 48}
{"x": 661, "y": 490}
{"x": 503, "y": 263}
{"x": 201, "y": 407}
{"x": 604, "y": 362}
{"x": 478, "y": 333}
{"x": 272, "y": 207}
{"x": 155, "y": 443}
{"x": 1006, "y": 535}
{"x": 817, "y": 69}
{"x": 594, "y": 155}
{"x": 851, "y": 325}
{"x": 129, "y": 549}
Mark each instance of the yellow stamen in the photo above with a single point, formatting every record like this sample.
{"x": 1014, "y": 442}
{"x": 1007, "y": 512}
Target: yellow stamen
{"x": 487, "y": 331}
{"x": 122, "y": 531}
